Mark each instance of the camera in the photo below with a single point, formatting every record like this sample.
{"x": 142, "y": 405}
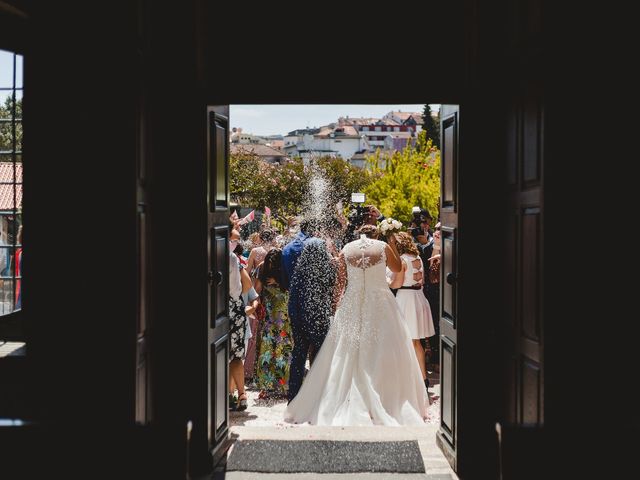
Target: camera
{"x": 359, "y": 211}
{"x": 420, "y": 215}
{"x": 358, "y": 214}
{"x": 417, "y": 214}
{"x": 415, "y": 231}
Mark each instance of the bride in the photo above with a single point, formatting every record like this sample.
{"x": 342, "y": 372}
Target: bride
{"x": 366, "y": 372}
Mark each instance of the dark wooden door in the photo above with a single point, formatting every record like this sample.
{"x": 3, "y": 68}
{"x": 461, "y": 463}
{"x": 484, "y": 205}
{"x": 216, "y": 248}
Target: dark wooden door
{"x": 143, "y": 374}
{"x": 142, "y": 361}
{"x": 449, "y": 128}
{"x": 218, "y": 278}
{"x": 525, "y": 376}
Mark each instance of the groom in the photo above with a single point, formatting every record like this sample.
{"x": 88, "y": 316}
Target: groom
{"x": 310, "y": 278}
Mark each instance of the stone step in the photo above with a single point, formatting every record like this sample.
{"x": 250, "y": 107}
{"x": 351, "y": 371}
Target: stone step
{"x": 334, "y": 476}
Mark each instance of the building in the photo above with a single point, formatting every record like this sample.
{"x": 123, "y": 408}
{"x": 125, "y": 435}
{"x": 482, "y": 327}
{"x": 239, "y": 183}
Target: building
{"x": 332, "y": 140}
{"x": 410, "y": 119}
{"x": 399, "y": 140}
{"x": 238, "y": 136}
{"x": 10, "y": 220}
{"x": 266, "y": 153}
{"x": 274, "y": 141}
{"x": 378, "y": 129}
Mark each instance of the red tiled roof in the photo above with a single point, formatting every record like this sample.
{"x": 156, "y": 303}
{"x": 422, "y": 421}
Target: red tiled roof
{"x": 357, "y": 120}
{"x": 260, "y": 150}
{"x": 345, "y": 131}
{"x": 404, "y": 115}
{"x": 417, "y": 117}
{"x": 6, "y": 185}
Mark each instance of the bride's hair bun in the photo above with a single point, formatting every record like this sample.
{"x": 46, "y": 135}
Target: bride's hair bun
{"x": 370, "y": 231}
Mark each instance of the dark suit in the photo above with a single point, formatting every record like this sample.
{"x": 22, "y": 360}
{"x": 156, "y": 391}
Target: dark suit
{"x": 432, "y": 292}
{"x": 310, "y": 302}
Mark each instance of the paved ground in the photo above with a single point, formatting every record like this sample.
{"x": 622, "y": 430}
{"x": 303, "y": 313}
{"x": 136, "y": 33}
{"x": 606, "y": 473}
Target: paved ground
{"x": 270, "y": 412}
{"x": 263, "y": 421}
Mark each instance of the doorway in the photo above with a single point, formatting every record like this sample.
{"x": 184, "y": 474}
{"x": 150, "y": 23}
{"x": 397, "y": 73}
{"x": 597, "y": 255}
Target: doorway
{"x": 352, "y": 139}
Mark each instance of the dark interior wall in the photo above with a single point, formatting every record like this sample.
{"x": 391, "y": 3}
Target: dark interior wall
{"x": 79, "y": 198}
{"x": 589, "y": 308}
{"x": 177, "y": 126}
{"x": 79, "y": 204}
{"x": 391, "y": 55}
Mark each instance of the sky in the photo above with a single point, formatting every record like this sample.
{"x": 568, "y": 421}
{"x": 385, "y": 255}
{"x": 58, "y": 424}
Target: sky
{"x": 281, "y": 119}
{"x": 6, "y": 73}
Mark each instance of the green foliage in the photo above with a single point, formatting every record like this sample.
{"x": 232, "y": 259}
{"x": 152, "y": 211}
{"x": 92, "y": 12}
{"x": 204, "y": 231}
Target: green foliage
{"x": 393, "y": 183}
{"x": 407, "y": 178}
{"x": 284, "y": 188}
{"x": 431, "y": 126}
{"x": 256, "y": 184}
{"x": 6, "y": 133}
{"x": 344, "y": 178}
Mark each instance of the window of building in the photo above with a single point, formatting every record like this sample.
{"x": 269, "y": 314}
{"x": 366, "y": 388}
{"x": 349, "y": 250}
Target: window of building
{"x": 11, "y": 90}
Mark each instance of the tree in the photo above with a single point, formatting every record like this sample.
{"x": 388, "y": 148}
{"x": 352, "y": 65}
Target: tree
{"x": 256, "y": 184}
{"x": 344, "y": 178}
{"x": 407, "y": 178}
{"x": 285, "y": 189}
{"x": 6, "y": 128}
{"x": 431, "y": 125}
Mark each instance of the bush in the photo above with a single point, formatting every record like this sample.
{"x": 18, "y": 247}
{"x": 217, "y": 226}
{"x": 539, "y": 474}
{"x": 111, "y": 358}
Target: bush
{"x": 407, "y": 178}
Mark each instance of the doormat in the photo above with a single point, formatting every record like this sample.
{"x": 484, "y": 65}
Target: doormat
{"x": 323, "y": 456}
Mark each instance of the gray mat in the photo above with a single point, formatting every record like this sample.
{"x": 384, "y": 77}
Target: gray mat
{"x": 321, "y": 456}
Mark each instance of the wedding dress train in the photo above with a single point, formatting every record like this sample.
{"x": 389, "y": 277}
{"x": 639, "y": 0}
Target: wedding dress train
{"x": 366, "y": 372}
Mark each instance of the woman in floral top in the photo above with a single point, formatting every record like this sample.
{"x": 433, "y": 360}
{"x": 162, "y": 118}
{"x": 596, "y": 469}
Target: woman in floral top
{"x": 276, "y": 342}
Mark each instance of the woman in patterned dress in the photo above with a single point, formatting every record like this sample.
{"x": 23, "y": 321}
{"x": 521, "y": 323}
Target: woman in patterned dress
{"x": 276, "y": 341}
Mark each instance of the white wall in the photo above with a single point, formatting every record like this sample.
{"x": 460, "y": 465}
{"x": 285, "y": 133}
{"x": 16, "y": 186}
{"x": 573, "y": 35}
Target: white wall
{"x": 336, "y": 146}
{"x": 345, "y": 147}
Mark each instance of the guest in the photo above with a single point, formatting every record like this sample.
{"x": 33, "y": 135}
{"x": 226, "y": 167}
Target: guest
{"x": 425, "y": 244}
{"x": 18, "y": 269}
{"x": 311, "y": 279}
{"x": 433, "y": 295}
{"x": 276, "y": 341}
{"x": 413, "y": 304}
{"x": 258, "y": 253}
{"x": 239, "y": 251}
{"x": 238, "y": 325}
{"x": 252, "y": 302}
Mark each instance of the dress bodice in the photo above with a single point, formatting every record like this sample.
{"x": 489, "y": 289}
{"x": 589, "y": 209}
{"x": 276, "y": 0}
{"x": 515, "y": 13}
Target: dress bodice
{"x": 366, "y": 264}
{"x": 409, "y": 260}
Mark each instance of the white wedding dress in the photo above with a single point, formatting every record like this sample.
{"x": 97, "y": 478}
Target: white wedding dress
{"x": 366, "y": 372}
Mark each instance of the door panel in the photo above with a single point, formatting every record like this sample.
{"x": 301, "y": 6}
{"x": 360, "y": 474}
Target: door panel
{"x": 447, "y": 390}
{"x": 221, "y": 380}
{"x": 449, "y": 165}
{"x": 218, "y": 276}
{"x": 525, "y": 374}
{"x": 218, "y": 172}
{"x": 447, "y": 433}
{"x": 530, "y": 280}
{"x": 448, "y": 309}
{"x": 143, "y": 374}
{"x": 219, "y": 285}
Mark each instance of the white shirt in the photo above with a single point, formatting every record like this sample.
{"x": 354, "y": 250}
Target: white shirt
{"x": 235, "y": 284}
